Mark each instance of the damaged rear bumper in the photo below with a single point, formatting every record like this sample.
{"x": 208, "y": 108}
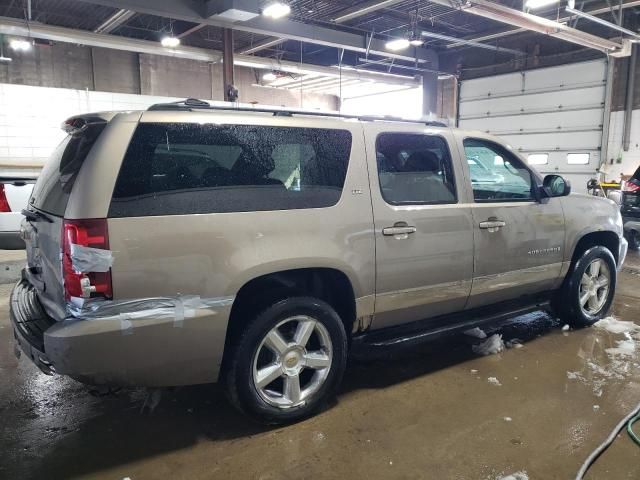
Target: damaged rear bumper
{"x": 176, "y": 342}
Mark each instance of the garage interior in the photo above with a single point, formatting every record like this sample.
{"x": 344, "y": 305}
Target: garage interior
{"x": 556, "y": 80}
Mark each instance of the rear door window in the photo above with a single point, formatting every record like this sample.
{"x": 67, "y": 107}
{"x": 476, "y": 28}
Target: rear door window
{"x": 415, "y": 169}
{"x": 173, "y": 169}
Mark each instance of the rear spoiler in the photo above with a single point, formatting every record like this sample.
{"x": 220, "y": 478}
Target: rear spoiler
{"x": 79, "y": 123}
{"x": 18, "y": 181}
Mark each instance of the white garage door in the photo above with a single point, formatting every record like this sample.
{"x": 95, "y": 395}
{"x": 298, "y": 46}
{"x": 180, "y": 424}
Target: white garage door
{"x": 552, "y": 116}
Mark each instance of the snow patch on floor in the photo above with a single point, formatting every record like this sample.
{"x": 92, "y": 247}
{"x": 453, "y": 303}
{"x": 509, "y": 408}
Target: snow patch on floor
{"x": 490, "y": 346}
{"x": 611, "y": 324}
{"x": 522, "y": 475}
{"x": 494, "y": 381}
{"x": 624, "y": 348}
{"x": 475, "y": 332}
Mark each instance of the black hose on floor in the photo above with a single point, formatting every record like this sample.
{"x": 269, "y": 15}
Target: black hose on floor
{"x": 607, "y": 443}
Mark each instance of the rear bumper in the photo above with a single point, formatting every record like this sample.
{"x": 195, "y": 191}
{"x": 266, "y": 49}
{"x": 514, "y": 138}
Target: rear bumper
{"x": 120, "y": 350}
{"x": 11, "y": 241}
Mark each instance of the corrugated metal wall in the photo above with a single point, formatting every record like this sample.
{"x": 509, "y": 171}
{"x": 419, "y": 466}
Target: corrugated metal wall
{"x": 552, "y": 113}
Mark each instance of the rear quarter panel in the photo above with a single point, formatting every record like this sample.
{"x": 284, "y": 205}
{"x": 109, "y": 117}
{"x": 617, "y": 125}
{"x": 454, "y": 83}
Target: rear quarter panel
{"x": 214, "y": 255}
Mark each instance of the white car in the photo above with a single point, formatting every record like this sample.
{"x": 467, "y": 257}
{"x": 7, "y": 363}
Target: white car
{"x": 14, "y": 196}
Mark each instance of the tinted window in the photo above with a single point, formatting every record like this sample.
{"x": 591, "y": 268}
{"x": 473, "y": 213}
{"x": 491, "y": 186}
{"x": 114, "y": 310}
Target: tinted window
{"x": 496, "y": 174}
{"x": 51, "y": 191}
{"x": 414, "y": 169}
{"x": 172, "y": 169}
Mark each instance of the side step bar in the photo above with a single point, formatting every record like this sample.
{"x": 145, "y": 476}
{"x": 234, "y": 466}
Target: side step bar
{"x": 430, "y": 329}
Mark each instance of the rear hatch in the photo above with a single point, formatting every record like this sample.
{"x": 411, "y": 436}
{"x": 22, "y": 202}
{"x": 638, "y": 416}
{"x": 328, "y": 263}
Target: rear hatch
{"x": 44, "y": 216}
{"x": 630, "y": 208}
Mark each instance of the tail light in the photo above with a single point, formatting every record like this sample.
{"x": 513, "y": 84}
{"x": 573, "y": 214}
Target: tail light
{"x": 4, "y": 204}
{"x": 631, "y": 187}
{"x": 87, "y": 233}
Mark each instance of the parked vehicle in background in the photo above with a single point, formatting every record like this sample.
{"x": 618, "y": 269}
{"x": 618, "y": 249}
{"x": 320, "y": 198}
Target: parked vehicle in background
{"x": 630, "y": 209}
{"x": 190, "y": 244}
{"x": 14, "y": 195}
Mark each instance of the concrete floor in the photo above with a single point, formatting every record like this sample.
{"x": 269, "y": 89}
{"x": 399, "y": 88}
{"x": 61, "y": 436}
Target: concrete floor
{"x": 425, "y": 413}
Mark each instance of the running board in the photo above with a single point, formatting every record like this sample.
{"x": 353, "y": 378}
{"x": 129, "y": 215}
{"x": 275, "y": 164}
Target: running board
{"x": 422, "y": 331}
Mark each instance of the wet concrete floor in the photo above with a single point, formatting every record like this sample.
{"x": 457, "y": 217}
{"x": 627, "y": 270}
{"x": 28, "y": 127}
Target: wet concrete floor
{"x": 425, "y": 413}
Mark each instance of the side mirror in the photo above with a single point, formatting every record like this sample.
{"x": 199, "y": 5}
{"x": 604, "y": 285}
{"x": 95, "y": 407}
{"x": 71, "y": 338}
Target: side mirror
{"x": 556, "y": 186}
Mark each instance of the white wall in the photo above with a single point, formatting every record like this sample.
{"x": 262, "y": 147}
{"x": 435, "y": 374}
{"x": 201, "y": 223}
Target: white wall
{"x": 405, "y": 104}
{"x": 30, "y": 117}
{"x": 630, "y": 160}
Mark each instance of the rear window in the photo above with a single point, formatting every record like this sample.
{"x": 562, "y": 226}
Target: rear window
{"x": 51, "y": 191}
{"x": 173, "y": 169}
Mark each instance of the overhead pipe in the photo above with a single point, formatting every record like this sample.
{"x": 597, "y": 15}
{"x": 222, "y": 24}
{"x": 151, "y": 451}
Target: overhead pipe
{"x": 601, "y": 21}
{"x": 628, "y": 111}
{"x": 493, "y": 36}
{"x": 114, "y": 21}
{"x": 517, "y": 18}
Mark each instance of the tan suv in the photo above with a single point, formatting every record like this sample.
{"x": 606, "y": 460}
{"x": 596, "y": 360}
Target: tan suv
{"x": 189, "y": 244}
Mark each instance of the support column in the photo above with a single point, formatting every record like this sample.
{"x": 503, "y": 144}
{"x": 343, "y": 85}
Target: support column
{"x": 606, "y": 114}
{"x": 628, "y": 110}
{"x": 227, "y": 63}
{"x": 429, "y": 94}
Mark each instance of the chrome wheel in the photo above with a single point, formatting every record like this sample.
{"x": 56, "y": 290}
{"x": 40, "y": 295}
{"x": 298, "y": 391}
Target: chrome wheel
{"x": 594, "y": 287}
{"x": 292, "y": 361}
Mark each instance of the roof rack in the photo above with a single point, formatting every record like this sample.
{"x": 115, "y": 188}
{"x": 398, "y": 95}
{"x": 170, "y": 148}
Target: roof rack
{"x": 191, "y": 104}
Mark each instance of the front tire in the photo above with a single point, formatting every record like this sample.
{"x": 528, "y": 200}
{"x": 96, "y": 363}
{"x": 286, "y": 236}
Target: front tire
{"x": 588, "y": 291}
{"x": 288, "y": 361}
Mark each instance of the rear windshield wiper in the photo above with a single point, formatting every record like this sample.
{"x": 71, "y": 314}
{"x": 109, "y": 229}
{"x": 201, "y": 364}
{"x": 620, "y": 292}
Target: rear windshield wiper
{"x": 35, "y": 216}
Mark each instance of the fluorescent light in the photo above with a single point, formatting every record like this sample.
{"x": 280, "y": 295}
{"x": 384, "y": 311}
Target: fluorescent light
{"x": 416, "y": 42}
{"x": 269, "y": 77}
{"x": 539, "y": 3}
{"x": 20, "y": 45}
{"x": 170, "y": 42}
{"x": 397, "y": 44}
{"x": 276, "y": 10}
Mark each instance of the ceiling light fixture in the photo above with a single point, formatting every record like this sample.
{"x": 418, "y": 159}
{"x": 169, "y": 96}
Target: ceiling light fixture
{"x": 397, "y": 44}
{"x": 170, "y": 42}
{"x": 539, "y": 3}
{"x": 20, "y": 45}
{"x": 269, "y": 77}
{"x": 276, "y": 10}
{"x": 416, "y": 42}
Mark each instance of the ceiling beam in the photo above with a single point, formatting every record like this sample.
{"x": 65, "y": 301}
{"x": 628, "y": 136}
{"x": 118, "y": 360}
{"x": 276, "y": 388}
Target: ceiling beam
{"x": 344, "y": 16}
{"x": 193, "y": 11}
{"x": 12, "y": 26}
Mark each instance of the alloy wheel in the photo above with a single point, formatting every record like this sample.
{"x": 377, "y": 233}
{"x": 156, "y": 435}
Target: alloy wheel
{"x": 292, "y": 361}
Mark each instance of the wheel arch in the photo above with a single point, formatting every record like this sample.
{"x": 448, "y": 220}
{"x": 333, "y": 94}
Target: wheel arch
{"x": 329, "y": 284}
{"x": 605, "y": 238}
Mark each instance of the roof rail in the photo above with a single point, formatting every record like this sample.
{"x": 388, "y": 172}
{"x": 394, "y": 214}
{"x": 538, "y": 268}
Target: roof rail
{"x": 191, "y": 104}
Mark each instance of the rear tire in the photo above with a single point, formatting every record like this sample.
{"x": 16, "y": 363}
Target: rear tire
{"x": 633, "y": 238}
{"x": 288, "y": 361}
{"x": 588, "y": 291}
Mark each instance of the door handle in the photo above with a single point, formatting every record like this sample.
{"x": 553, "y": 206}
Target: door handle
{"x": 492, "y": 224}
{"x": 400, "y": 228}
